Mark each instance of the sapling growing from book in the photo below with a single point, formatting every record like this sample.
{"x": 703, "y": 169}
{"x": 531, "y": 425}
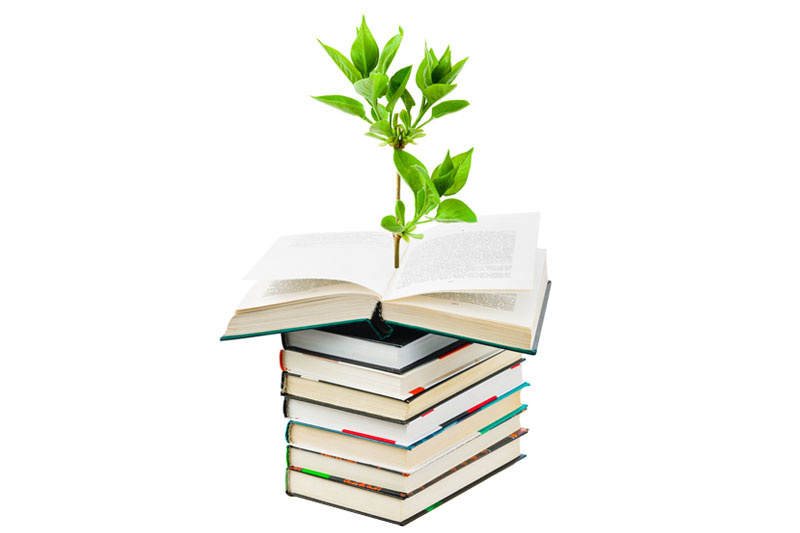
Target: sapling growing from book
{"x": 367, "y": 70}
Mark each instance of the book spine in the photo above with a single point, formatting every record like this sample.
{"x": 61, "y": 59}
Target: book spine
{"x": 283, "y": 382}
{"x": 286, "y": 407}
{"x": 378, "y": 325}
{"x": 280, "y": 361}
{"x": 288, "y": 434}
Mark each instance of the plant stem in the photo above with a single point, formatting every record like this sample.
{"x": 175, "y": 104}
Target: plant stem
{"x": 424, "y": 123}
{"x": 422, "y": 110}
{"x": 396, "y": 236}
{"x": 398, "y": 186}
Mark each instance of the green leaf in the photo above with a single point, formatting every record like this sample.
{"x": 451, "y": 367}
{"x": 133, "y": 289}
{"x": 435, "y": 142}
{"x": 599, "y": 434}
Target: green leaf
{"x": 443, "y": 181}
{"x": 397, "y": 86}
{"x": 389, "y": 51}
{"x": 420, "y": 78}
{"x": 442, "y": 68}
{"x": 430, "y": 60}
{"x": 406, "y": 164}
{"x": 343, "y": 103}
{"x": 462, "y": 164}
{"x": 415, "y": 235}
{"x": 427, "y": 186}
{"x": 408, "y": 100}
{"x": 416, "y": 176}
{"x": 435, "y": 91}
{"x": 406, "y": 118}
{"x": 426, "y": 68}
{"x": 450, "y": 77}
{"x": 447, "y": 164}
{"x": 432, "y": 197}
{"x": 444, "y": 167}
{"x": 382, "y": 113}
{"x": 382, "y": 127}
{"x": 443, "y": 175}
{"x": 419, "y": 202}
{"x": 453, "y": 210}
{"x": 400, "y": 211}
{"x": 389, "y": 223}
{"x": 373, "y": 87}
{"x": 364, "y": 51}
{"x": 450, "y": 106}
{"x": 374, "y": 136}
{"x": 343, "y": 63}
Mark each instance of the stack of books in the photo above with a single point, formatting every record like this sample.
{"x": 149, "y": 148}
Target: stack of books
{"x": 402, "y": 388}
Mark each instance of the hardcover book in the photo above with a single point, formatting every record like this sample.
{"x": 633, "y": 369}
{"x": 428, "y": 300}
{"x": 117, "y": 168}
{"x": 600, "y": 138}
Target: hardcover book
{"x": 422, "y": 403}
{"x": 397, "y": 350}
{"x": 403, "y": 507}
{"x": 489, "y": 391}
{"x": 373, "y": 450}
{"x": 430, "y": 372}
{"x": 394, "y": 480}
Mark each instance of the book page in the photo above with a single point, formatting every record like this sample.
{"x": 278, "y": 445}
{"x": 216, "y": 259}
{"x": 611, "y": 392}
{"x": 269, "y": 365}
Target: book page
{"x": 495, "y": 254}
{"x": 365, "y": 258}
{"x": 275, "y": 292}
{"x": 518, "y": 308}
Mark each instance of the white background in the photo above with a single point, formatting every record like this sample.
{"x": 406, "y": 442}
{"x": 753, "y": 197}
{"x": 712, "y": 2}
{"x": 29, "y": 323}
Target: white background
{"x": 150, "y": 152}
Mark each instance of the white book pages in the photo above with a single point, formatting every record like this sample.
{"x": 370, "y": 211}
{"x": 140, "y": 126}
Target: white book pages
{"x": 495, "y": 254}
{"x": 518, "y": 308}
{"x": 364, "y": 258}
{"x": 274, "y": 292}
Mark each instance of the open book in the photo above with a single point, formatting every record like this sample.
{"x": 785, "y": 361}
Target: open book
{"x": 484, "y": 282}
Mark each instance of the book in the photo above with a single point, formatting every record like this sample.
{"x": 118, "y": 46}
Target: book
{"x": 484, "y": 282}
{"x": 358, "y": 342}
{"x": 393, "y": 480}
{"x": 402, "y": 507}
{"x": 368, "y": 378}
{"x": 361, "y": 423}
{"x": 396, "y": 410}
{"x": 366, "y": 449}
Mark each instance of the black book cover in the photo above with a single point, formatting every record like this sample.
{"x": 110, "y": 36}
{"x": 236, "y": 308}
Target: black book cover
{"x": 400, "y": 335}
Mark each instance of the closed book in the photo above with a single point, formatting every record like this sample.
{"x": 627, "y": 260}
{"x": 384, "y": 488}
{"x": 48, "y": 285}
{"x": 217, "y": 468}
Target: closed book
{"x": 422, "y": 402}
{"x": 394, "y": 480}
{"x": 400, "y": 385}
{"x": 489, "y": 391}
{"x": 398, "y": 350}
{"x": 404, "y": 458}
